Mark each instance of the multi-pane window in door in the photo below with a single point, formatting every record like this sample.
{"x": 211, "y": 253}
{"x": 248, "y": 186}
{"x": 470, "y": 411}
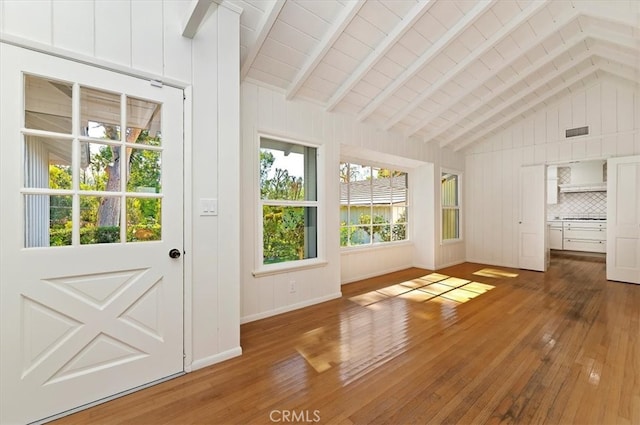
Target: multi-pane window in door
{"x": 86, "y": 181}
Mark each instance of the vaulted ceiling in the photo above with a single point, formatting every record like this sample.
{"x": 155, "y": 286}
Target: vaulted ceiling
{"x": 443, "y": 71}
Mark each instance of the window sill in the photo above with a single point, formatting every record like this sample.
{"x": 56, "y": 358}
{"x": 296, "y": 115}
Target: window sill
{"x": 289, "y": 267}
{"x": 374, "y": 247}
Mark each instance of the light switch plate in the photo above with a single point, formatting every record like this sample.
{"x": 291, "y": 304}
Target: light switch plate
{"x": 208, "y": 206}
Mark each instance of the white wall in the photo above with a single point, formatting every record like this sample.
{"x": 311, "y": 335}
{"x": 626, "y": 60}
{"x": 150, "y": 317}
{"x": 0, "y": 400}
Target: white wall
{"x": 611, "y": 109}
{"x": 143, "y": 38}
{"x": 266, "y": 110}
{"x": 141, "y": 35}
{"x": 215, "y": 174}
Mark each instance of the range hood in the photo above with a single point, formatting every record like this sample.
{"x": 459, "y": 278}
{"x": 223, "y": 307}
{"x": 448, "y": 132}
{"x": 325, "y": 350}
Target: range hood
{"x": 586, "y": 176}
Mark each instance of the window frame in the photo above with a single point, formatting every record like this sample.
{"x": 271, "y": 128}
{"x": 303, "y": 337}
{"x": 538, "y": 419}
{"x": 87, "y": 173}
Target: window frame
{"x": 384, "y": 244}
{"x": 261, "y": 269}
{"x": 457, "y": 207}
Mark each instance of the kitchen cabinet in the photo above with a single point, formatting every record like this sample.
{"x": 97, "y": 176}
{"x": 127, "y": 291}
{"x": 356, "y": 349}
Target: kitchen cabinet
{"x": 555, "y": 235}
{"x": 588, "y": 236}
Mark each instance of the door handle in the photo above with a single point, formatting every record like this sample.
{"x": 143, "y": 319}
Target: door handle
{"x": 174, "y": 253}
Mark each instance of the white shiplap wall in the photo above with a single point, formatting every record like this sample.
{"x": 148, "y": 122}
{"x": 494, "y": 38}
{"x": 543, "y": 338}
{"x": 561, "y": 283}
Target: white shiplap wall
{"x": 143, "y": 38}
{"x": 611, "y": 109}
{"x": 266, "y": 110}
{"x": 141, "y": 35}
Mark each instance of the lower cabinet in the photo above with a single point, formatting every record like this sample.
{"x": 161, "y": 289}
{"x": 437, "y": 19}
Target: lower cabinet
{"x": 585, "y": 236}
{"x": 555, "y": 236}
{"x": 585, "y": 245}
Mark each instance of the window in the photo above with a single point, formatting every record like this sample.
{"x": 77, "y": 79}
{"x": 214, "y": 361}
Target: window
{"x": 110, "y": 191}
{"x": 373, "y": 205}
{"x": 289, "y": 201}
{"x": 450, "y": 191}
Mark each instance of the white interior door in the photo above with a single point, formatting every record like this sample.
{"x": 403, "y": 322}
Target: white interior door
{"x": 623, "y": 219}
{"x": 532, "y": 224}
{"x": 91, "y": 190}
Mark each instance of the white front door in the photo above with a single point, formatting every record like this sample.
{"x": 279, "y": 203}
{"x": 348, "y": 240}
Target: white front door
{"x": 91, "y": 190}
{"x": 532, "y": 223}
{"x": 623, "y": 219}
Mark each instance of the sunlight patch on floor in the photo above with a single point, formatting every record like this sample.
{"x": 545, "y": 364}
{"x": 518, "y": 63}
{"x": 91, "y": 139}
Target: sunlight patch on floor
{"x": 417, "y": 296}
{"x": 436, "y": 287}
{"x": 494, "y": 273}
{"x": 394, "y": 290}
{"x": 433, "y": 277}
{"x": 460, "y": 295}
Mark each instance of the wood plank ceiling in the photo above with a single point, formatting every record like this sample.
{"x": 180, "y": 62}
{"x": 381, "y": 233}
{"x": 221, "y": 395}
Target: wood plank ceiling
{"x": 444, "y": 71}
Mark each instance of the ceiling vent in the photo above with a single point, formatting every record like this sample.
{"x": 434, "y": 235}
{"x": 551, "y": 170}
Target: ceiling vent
{"x": 578, "y": 131}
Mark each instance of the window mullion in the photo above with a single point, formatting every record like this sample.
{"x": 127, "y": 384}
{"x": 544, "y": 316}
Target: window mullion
{"x": 75, "y": 164}
{"x": 124, "y": 165}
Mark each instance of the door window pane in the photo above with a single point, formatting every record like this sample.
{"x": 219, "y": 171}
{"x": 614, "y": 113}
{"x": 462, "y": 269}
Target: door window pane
{"x": 47, "y": 163}
{"x": 145, "y": 117}
{"x": 47, "y": 104}
{"x": 47, "y": 220}
{"x": 144, "y": 219}
{"x": 144, "y": 171}
{"x": 99, "y": 219}
{"x": 100, "y": 113}
{"x": 102, "y": 169}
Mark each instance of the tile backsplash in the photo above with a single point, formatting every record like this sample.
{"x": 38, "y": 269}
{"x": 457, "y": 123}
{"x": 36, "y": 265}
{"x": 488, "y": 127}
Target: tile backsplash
{"x": 580, "y": 204}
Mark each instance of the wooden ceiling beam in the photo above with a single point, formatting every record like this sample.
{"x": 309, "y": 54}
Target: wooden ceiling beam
{"x": 380, "y": 51}
{"x": 533, "y": 43}
{"x": 628, "y": 60}
{"x": 627, "y": 74}
{"x": 625, "y": 60}
{"x": 195, "y": 15}
{"x": 523, "y": 17}
{"x": 349, "y": 12}
{"x": 630, "y": 44}
{"x": 439, "y": 46}
{"x": 527, "y": 72}
{"x": 604, "y": 12}
{"x": 483, "y": 119}
{"x": 268, "y": 20}
{"x": 523, "y": 109}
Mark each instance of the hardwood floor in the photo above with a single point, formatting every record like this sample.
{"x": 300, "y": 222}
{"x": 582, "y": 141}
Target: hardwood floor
{"x": 561, "y": 347}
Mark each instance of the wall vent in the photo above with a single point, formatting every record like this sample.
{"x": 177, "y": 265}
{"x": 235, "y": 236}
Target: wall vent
{"x": 578, "y": 131}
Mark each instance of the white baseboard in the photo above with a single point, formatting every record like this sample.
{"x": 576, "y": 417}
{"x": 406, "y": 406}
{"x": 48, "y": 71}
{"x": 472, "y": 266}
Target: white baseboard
{"x": 489, "y": 263}
{"x": 424, "y": 266}
{"x": 376, "y": 274}
{"x": 216, "y": 358}
{"x": 453, "y": 263}
{"x": 280, "y": 310}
